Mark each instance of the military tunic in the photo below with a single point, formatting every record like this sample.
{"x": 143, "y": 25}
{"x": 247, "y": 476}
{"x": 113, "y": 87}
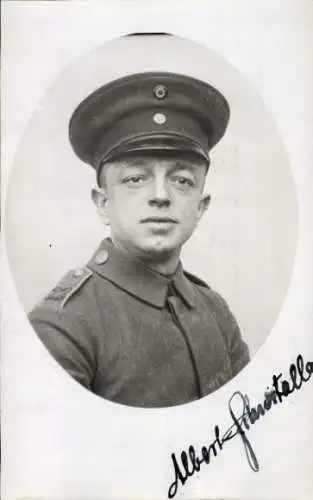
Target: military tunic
{"x": 136, "y": 337}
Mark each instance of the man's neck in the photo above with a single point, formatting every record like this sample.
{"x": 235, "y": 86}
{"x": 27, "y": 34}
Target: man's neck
{"x": 167, "y": 268}
{"x": 165, "y": 264}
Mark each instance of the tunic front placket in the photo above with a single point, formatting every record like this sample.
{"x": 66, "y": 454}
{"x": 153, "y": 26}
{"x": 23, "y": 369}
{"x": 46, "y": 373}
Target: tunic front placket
{"x": 172, "y": 301}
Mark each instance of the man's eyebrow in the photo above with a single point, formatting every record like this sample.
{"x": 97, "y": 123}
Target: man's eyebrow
{"x": 174, "y": 164}
{"x": 185, "y": 165}
{"x": 133, "y": 163}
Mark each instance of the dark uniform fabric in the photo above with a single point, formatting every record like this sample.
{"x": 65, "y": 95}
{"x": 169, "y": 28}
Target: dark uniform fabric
{"x": 136, "y": 337}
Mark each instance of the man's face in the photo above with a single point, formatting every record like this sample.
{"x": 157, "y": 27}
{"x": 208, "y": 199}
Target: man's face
{"x": 153, "y": 204}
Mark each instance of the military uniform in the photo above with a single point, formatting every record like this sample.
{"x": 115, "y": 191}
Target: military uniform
{"x": 137, "y": 337}
{"x": 125, "y": 332}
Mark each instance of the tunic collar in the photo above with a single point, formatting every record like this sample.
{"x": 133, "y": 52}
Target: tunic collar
{"x": 133, "y": 276}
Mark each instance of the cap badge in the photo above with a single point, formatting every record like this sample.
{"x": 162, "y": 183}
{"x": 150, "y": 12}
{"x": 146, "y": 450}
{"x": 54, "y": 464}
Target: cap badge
{"x": 160, "y": 91}
{"x": 159, "y": 118}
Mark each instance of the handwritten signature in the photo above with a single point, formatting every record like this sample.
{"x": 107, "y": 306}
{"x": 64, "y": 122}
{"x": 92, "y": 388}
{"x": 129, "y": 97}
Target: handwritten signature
{"x": 191, "y": 462}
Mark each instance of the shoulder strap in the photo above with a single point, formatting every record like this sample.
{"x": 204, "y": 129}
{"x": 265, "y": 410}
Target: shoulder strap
{"x": 69, "y": 285}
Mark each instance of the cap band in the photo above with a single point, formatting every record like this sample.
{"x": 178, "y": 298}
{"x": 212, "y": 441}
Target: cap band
{"x": 128, "y": 128}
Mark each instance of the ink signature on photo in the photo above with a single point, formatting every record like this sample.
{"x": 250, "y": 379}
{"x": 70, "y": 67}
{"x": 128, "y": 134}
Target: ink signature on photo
{"x": 190, "y": 462}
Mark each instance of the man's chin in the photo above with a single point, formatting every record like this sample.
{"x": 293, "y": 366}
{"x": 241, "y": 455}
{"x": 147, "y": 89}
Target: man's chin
{"x": 158, "y": 247}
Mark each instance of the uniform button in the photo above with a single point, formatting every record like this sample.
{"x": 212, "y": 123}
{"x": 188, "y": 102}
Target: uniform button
{"x": 101, "y": 257}
{"x": 78, "y": 272}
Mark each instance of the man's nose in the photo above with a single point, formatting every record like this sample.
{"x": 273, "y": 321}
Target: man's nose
{"x": 160, "y": 195}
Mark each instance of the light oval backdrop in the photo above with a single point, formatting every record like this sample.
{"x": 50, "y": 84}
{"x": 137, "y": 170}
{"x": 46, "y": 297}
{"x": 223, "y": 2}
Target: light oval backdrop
{"x": 245, "y": 244}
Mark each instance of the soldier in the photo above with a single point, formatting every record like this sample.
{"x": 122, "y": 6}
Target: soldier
{"x": 132, "y": 326}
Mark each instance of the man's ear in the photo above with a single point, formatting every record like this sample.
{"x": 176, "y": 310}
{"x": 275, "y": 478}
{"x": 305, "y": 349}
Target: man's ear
{"x": 99, "y": 197}
{"x": 203, "y": 205}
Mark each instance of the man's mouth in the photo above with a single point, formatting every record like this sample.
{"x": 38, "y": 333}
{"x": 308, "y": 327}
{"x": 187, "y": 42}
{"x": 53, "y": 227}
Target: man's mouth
{"x": 159, "y": 220}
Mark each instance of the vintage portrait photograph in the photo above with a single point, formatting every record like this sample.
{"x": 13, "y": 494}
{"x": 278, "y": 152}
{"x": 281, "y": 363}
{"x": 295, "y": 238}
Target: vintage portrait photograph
{"x": 132, "y": 322}
{"x": 152, "y": 224}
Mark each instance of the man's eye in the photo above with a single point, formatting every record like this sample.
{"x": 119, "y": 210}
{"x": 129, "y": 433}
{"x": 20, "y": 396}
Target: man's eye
{"x": 133, "y": 179}
{"x": 183, "y": 181}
